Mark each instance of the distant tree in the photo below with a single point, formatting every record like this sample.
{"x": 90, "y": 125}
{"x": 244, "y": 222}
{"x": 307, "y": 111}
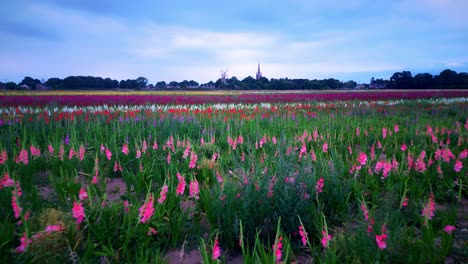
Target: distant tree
{"x": 401, "y": 80}
{"x": 54, "y": 83}
{"x": 11, "y": 86}
{"x": 447, "y": 78}
{"x": 141, "y": 82}
{"x": 423, "y": 81}
{"x": 332, "y": 83}
{"x": 2, "y": 86}
{"x": 463, "y": 77}
{"x": 161, "y": 85}
{"x": 349, "y": 84}
{"x": 30, "y": 82}
{"x": 193, "y": 83}
{"x": 173, "y": 84}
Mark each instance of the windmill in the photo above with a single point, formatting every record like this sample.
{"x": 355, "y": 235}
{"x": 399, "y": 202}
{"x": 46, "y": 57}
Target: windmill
{"x": 224, "y": 75}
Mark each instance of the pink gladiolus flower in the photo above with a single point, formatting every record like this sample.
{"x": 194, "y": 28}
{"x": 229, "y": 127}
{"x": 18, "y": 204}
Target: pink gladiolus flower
{"x": 458, "y": 166}
{"x": 162, "y": 194}
{"x": 380, "y": 239}
{"x": 24, "y": 157}
{"x": 325, "y": 239}
{"x": 405, "y": 202}
{"x": 181, "y": 186}
{"x": 303, "y": 235}
{"x": 463, "y": 154}
{"x": 51, "y": 149}
{"x": 155, "y": 144}
{"x": 403, "y": 147}
{"x": 384, "y": 132}
{"x": 138, "y": 153}
{"x": 428, "y": 210}
{"x": 3, "y": 157}
{"x": 396, "y": 128}
{"x": 6, "y": 181}
{"x": 54, "y": 228}
{"x": 108, "y": 154}
{"x": 78, "y": 212}
{"x": 71, "y": 153}
{"x": 449, "y": 229}
{"x": 362, "y": 158}
{"x": 25, "y": 241}
{"x": 151, "y": 231}
{"x": 146, "y": 210}
{"x": 125, "y": 149}
{"x": 126, "y": 205}
{"x": 102, "y": 148}
{"x": 169, "y": 158}
{"x": 319, "y": 185}
{"x": 193, "y": 160}
{"x": 325, "y": 147}
{"x": 193, "y": 188}
{"x": 365, "y": 212}
{"x": 216, "y": 250}
{"x": 16, "y": 208}
{"x": 81, "y": 153}
{"x": 277, "y": 249}
{"x": 82, "y": 195}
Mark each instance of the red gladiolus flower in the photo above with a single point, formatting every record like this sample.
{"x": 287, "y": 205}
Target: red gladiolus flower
{"x": 319, "y": 185}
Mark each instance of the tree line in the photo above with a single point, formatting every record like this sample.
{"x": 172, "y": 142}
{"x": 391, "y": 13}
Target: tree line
{"x": 399, "y": 80}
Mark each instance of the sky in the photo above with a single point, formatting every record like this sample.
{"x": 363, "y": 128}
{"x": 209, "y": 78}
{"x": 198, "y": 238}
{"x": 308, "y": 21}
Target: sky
{"x": 196, "y": 39}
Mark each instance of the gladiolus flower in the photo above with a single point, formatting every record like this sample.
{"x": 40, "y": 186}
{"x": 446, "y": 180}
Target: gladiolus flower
{"x": 193, "y": 188}
{"x": 125, "y": 149}
{"x": 216, "y": 250}
{"x": 449, "y": 229}
{"x": 428, "y": 210}
{"x": 108, "y": 154}
{"x": 325, "y": 239}
{"x": 380, "y": 239}
{"x": 319, "y": 185}
{"x": 458, "y": 166}
{"x": 54, "y": 228}
{"x": 6, "y": 181}
{"x": 25, "y": 241}
{"x": 162, "y": 194}
{"x": 151, "y": 231}
{"x": 82, "y": 195}
{"x": 277, "y": 249}
{"x": 3, "y": 157}
{"x": 325, "y": 147}
{"x": 181, "y": 186}
{"x": 193, "y": 160}
{"x": 16, "y": 208}
{"x": 362, "y": 158}
{"x": 303, "y": 235}
{"x": 81, "y": 153}
{"x": 78, "y": 212}
{"x": 146, "y": 210}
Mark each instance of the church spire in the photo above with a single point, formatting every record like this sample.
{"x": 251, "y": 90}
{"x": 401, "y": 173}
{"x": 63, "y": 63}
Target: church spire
{"x": 259, "y": 73}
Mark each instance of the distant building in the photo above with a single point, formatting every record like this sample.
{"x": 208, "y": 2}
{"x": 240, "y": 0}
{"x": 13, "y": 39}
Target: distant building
{"x": 259, "y": 73}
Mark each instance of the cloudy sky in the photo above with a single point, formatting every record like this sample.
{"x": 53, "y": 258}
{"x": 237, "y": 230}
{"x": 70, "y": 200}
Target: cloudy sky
{"x": 194, "y": 39}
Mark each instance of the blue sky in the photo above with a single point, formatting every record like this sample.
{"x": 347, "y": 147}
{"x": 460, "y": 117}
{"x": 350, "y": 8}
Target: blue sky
{"x": 184, "y": 40}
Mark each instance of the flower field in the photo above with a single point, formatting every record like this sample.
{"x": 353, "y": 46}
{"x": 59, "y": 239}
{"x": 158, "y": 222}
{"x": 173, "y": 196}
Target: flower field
{"x": 320, "y": 180}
